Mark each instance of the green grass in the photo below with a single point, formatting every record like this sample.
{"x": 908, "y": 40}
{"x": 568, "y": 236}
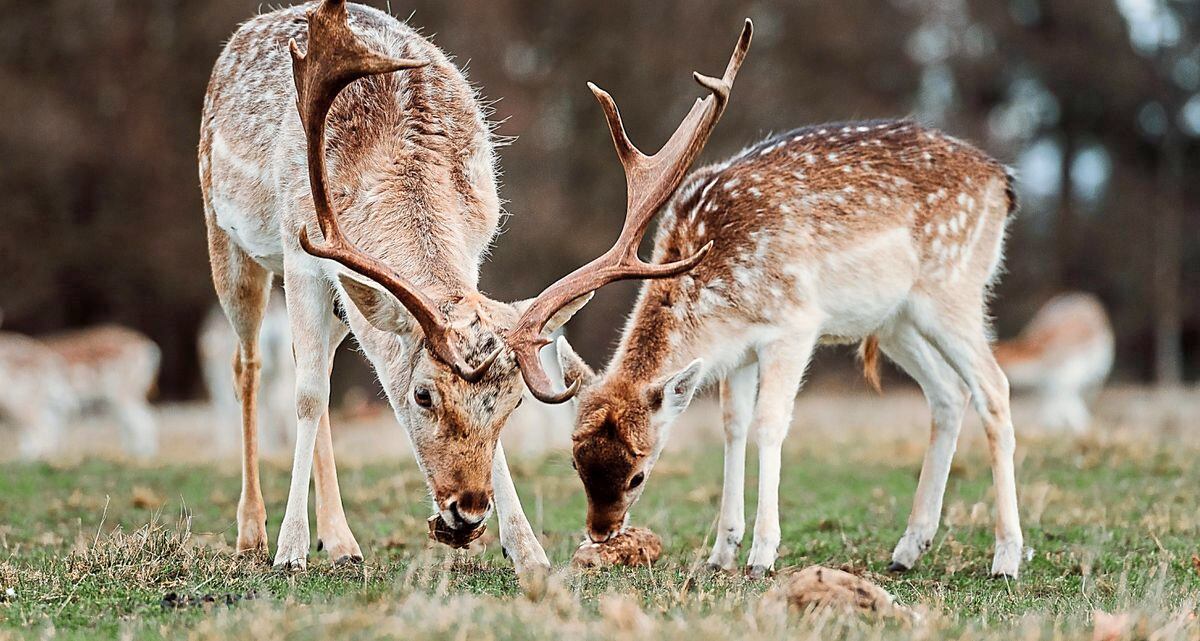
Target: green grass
{"x": 90, "y": 551}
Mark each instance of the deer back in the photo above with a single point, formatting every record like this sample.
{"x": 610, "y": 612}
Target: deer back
{"x": 410, "y": 155}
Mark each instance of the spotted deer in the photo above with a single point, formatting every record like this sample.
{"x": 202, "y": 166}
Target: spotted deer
{"x": 384, "y": 239}
{"x": 1063, "y": 357}
{"x": 47, "y": 382}
{"x": 883, "y": 232}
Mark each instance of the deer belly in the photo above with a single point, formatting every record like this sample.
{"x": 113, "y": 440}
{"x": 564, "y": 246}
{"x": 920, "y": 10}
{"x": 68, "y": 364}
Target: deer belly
{"x": 860, "y": 288}
{"x": 261, "y": 241}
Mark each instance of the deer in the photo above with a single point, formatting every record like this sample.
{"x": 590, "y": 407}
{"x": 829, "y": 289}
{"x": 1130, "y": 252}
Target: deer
{"x": 49, "y": 381}
{"x": 364, "y": 174}
{"x": 882, "y": 233}
{"x": 1063, "y": 356}
{"x": 277, "y": 379}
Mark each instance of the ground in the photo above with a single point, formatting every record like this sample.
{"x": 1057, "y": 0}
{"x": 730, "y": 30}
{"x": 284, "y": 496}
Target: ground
{"x": 102, "y": 548}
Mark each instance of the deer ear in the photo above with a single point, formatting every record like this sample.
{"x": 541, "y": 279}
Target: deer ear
{"x": 678, "y": 389}
{"x": 380, "y": 308}
{"x": 573, "y": 367}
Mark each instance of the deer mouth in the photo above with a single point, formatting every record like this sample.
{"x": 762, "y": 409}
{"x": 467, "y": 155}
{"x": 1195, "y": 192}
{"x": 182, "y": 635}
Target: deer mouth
{"x": 455, "y": 537}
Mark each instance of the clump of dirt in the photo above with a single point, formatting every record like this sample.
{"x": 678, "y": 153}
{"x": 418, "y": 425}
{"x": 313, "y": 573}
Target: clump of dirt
{"x": 820, "y": 588}
{"x": 441, "y": 532}
{"x": 633, "y": 547}
{"x": 174, "y": 601}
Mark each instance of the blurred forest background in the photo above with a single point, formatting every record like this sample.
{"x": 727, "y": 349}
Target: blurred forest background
{"x": 1095, "y": 102}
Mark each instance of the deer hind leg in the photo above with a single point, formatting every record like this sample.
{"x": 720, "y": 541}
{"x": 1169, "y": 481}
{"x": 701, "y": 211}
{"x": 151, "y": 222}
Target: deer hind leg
{"x": 738, "y": 391}
{"x": 947, "y": 397}
{"x": 781, "y": 366}
{"x": 333, "y": 531}
{"x": 314, "y": 326}
{"x": 242, "y": 286}
{"x": 957, "y": 330}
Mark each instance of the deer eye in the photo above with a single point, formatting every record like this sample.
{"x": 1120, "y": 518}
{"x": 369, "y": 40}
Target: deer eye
{"x": 637, "y": 480}
{"x": 422, "y": 397}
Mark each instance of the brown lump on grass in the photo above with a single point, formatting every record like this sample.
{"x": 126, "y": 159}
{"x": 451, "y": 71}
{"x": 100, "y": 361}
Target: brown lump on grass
{"x": 820, "y": 588}
{"x": 633, "y": 547}
{"x": 458, "y": 539}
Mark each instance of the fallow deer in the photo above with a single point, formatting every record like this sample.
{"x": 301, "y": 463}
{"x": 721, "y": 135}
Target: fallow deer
{"x": 35, "y": 394}
{"x": 277, "y": 383}
{"x": 407, "y": 206}
{"x": 49, "y": 381}
{"x": 883, "y": 232}
{"x": 1063, "y": 356}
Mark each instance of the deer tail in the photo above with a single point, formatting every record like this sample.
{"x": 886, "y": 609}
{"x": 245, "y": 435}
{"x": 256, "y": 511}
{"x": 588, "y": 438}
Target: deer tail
{"x": 868, "y": 353}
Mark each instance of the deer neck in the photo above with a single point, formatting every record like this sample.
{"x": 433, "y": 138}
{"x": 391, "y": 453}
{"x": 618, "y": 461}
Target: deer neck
{"x": 655, "y": 342}
{"x": 412, "y": 218}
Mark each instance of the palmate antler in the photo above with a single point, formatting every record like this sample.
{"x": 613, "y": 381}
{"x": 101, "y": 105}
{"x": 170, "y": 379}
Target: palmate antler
{"x": 650, "y": 182}
{"x": 335, "y": 58}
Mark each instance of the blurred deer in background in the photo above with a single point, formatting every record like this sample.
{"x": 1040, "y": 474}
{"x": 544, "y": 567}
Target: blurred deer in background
{"x": 277, "y": 387}
{"x": 883, "y": 232}
{"x": 48, "y": 382}
{"x": 1063, "y": 356}
{"x": 407, "y": 206}
{"x": 35, "y": 395}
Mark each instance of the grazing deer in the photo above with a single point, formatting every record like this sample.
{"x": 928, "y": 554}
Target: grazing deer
{"x": 1063, "y": 356}
{"x": 407, "y": 206}
{"x": 35, "y": 394}
{"x": 47, "y": 382}
{"x": 883, "y": 232}
{"x": 277, "y": 386}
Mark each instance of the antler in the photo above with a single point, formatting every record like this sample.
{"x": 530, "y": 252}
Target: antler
{"x": 336, "y": 58}
{"x": 650, "y": 181}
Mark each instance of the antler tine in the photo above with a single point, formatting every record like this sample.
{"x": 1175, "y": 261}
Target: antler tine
{"x": 650, "y": 181}
{"x": 336, "y": 58}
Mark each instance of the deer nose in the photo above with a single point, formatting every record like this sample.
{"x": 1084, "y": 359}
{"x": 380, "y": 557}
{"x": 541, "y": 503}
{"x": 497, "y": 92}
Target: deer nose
{"x": 469, "y": 509}
{"x": 601, "y": 537}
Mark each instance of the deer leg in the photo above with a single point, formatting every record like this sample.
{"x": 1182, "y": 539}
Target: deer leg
{"x": 958, "y": 334}
{"x": 242, "y": 286}
{"x": 516, "y": 535}
{"x": 781, "y": 366}
{"x": 738, "y": 391}
{"x": 333, "y": 531}
{"x": 947, "y": 398}
{"x": 41, "y": 432}
{"x": 309, "y": 311}
{"x": 138, "y": 426}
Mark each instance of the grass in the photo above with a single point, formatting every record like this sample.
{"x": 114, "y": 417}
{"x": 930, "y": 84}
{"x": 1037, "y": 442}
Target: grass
{"x": 91, "y": 550}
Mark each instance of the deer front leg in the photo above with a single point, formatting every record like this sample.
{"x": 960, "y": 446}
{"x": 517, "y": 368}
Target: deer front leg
{"x": 310, "y": 312}
{"x": 516, "y": 535}
{"x": 737, "y": 408}
{"x": 333, "y": 531}
{"x": 781, "y": 370}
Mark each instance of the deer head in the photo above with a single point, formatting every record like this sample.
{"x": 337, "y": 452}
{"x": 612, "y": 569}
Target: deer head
{"x": 621, "y": 427}
{"x": 452, "y": 372}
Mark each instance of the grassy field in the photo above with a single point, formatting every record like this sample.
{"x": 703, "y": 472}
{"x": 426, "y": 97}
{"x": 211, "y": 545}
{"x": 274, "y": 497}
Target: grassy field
{"x": 94, "y": 548}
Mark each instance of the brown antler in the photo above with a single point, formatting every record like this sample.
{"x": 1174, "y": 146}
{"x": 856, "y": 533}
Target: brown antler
{"x": 336, "y": 58}
{"x": 650, "y": 181}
